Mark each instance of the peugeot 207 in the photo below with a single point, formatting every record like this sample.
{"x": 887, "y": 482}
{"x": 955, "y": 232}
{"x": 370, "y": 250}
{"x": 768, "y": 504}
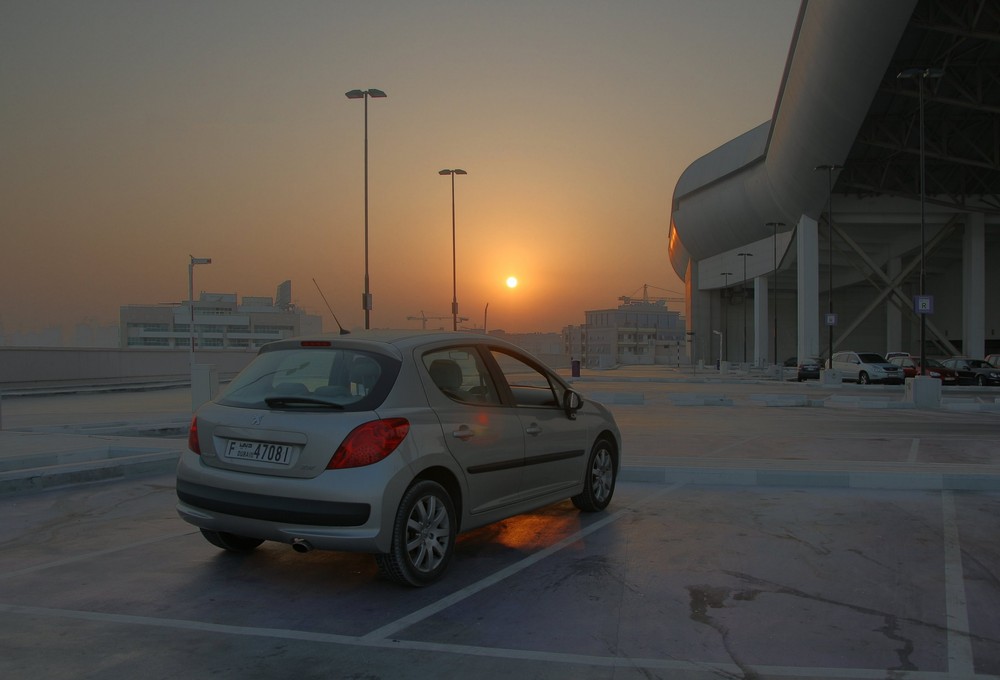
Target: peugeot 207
{"x": 390, "y": 443}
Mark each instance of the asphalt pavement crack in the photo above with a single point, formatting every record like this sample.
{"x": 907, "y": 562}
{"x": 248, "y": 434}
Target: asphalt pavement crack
{"x": 705, "y": 597}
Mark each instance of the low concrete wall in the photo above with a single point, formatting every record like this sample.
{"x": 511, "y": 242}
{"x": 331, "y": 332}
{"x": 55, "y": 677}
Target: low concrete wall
{"x": 57, "y": 366}
{"x": 22, "y": 367}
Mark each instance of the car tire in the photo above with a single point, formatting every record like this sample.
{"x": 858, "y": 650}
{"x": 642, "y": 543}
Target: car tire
{"x": 601, "y": 475}
{"x": 231, "y": 542}
{"x": 423, "y": 536}
{"x": 863, "y": 379}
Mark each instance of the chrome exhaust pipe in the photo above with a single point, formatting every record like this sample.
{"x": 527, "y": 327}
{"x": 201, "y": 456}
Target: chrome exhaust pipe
{"x": 301, "y": 545}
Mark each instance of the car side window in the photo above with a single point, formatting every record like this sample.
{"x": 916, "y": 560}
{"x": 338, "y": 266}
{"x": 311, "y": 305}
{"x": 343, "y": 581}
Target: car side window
{"x": 460, "y": 374}
{"x": 528, "y": 385}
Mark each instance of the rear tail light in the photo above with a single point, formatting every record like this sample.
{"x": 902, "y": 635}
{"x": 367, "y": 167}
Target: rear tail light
{"x": 193, "y": 436}
{"x": 369, "y": 443}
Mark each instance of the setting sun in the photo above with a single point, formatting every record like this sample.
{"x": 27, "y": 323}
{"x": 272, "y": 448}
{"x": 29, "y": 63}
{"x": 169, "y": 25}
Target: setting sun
{"x": 512, "y": 282}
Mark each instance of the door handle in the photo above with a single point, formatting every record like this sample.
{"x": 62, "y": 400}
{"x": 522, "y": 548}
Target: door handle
{"x": 533, "y": 430}
{"x": 463, "y": 432}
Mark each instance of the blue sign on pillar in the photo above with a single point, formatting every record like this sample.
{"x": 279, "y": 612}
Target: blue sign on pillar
{"x": 923, "y": 304}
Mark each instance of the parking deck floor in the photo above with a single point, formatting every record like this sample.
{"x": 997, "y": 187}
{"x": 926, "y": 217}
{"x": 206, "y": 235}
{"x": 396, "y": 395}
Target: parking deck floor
{"x": 744, "y": 541}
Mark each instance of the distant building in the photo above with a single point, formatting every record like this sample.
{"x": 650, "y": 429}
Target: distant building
{"x": 637, "y": 332}
{"x": 546, "y": 346}
{"x": 220, "y": 322}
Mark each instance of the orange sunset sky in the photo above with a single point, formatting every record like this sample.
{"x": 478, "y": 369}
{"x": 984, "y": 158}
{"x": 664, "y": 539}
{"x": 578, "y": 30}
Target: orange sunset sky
{"x": 135, "y": 134}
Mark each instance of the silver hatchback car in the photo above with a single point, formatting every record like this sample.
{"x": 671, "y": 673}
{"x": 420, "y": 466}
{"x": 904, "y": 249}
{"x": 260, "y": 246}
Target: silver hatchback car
{"x": 390, "y": 443}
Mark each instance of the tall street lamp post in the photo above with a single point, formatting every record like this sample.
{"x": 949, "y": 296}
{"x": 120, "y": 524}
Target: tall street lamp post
{"x": 774, "y": 275}
{"x": 454, "y": 270}
{"x": 829, "y": 223}
{"x": 920, "y": 75}
{"x": 366, "y": 300}
{"x": 191, "y": 264}
{"x": 744, "y": 256}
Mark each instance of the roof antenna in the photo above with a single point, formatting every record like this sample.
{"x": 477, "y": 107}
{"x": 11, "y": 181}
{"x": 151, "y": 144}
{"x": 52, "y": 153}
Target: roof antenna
{"x": 342, "y": 330}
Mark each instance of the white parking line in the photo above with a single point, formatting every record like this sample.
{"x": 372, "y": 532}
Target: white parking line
{"x": 960, "y": 659}
{"x": 399, "y": 624}
{"x": 914, "y": 450}
{"x": 650, "y": 664}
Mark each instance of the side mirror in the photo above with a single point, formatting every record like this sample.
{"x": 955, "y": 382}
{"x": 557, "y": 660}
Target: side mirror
{"x": 572, "y": 402}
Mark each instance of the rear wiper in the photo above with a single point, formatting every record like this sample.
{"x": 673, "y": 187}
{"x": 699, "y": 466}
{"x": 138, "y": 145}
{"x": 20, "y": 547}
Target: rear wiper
{"x": 278, "y": 402}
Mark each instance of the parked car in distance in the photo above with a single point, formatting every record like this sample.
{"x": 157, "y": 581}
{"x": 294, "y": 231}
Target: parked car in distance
{"x": 993, "y": 360}
{"x": 934, "y": 369}
{"x": 973, "y": 371}
{"x": 390, "y": 443}
{"x": 889, "y": 356}
{"x": 866, "y": 368}
{"x": 808, "y": 369}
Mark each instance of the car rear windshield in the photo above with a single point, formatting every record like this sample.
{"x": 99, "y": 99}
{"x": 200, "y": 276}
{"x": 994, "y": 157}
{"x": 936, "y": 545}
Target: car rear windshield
{"x": 313, "y": 377}
{"x": 871, "y": 359}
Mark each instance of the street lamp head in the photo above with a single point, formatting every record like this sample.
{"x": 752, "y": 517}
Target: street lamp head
{"x": 200, "y": 260}
{"x": 456, "y": 171}
{"x": 360, "y": 94}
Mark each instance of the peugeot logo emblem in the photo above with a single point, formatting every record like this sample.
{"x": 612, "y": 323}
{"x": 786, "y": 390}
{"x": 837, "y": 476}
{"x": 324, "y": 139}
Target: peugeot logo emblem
{"x": 255, "y": 420}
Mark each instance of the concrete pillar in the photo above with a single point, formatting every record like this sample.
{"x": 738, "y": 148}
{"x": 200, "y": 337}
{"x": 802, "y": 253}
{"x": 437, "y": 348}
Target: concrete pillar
{"x": 699, "y": 316}
{"x": 761, "y": 327}
{"x": 204, "y": 384}
{"x": 923, "y": 391}
{"x": 807, "y": 279}
{"x": 893, "y": 314}
{"x": 974, "y": 286}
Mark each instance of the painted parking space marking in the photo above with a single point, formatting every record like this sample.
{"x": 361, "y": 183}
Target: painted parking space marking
{"x": 960, "y": 658}
{"x": 473, "y": 588}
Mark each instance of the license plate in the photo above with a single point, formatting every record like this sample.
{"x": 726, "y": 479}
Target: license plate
{"x": 263, "y": 452}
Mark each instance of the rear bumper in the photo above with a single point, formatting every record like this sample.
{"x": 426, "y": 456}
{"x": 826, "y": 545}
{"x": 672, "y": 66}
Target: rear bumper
{"x": 273, "y": 508}
{"x": 337, "y": 510}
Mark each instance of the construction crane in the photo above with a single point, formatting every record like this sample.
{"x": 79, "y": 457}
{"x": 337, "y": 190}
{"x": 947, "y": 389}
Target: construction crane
{"x": 423, "y": 318}
{"x": 646, "y": 299}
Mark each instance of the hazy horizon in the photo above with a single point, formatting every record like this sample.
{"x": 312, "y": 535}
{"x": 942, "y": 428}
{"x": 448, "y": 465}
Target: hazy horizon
{"x": 136, "y": 134}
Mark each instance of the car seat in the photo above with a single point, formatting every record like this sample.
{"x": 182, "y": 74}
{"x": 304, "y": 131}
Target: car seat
{"x": 447, "y": 375}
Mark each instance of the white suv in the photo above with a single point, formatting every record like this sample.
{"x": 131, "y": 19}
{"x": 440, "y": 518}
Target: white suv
{"x": 867, "y": 368}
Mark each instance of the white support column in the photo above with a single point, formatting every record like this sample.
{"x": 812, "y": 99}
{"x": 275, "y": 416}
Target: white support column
{"x": 699, "y": 316}
{"x": 807, "y": 252}
{"x": 974, "y": 286}
{"x": 761, "y": 327}
{"x": 893, "y": 314}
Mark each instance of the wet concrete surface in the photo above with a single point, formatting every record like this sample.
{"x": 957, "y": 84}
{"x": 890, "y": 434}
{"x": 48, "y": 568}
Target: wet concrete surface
{"x": 672, "y": 581}
{"x": 784, "y": 542}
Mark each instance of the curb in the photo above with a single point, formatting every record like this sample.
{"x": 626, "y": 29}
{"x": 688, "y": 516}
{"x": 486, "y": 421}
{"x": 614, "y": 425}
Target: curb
{"x": 895, "y": 480}
{"x": 92, "y": 466}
